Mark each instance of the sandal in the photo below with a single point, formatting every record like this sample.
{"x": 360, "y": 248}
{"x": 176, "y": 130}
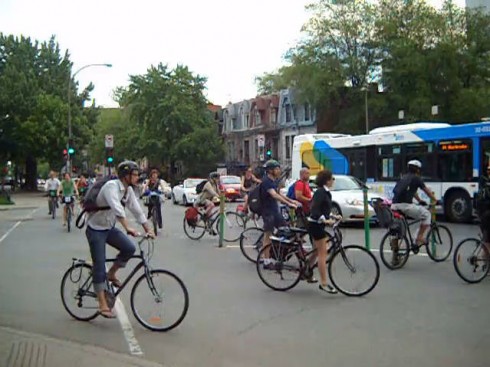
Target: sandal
{"x": 107, "y": 313}
{"x": 115, "y": 282}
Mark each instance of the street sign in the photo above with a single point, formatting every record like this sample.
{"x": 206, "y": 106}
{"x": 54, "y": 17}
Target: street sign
{"x": 261, "y": 140}
{"x": 262, "y": 156}
{"x": 109, "y": 141}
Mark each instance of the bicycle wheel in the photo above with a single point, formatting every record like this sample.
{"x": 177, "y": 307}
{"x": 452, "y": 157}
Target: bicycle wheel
{"x": 354, "y": 270}
{"x": 257, "y": 221}
{"x": 68, "y": 218}
{"x": 471, "y": 260}
{"x": 285, "y": 270}
{"x": 154, "y": 220}
{"x": 53, "y": 212}
{"x": 233, "y": 226}
{"x": 394, "y": 251}
{"x": 78, "y": 293}
{"x": 251, "y": 243}
{"x": 160, "y": 301}
{"x": 195, "y": 232}
{"x": 439, "y": 243}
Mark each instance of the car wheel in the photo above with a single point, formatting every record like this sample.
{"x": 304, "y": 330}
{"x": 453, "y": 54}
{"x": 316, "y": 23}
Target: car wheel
{"x": 184, "y": 201}
{"x": 458, "y": 207}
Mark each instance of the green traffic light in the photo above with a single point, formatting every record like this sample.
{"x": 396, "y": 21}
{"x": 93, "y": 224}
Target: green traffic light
{"x": 110, "y": 159}
{"x": 71, "y": 150}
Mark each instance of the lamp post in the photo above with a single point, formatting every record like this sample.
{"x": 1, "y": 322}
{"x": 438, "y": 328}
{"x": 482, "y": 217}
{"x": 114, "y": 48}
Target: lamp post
{"x": 367, "y": 110}
{"x": 68, "y": 160}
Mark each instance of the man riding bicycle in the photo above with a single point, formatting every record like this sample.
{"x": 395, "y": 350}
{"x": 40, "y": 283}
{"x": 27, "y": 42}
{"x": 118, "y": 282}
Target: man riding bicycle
{"x": 82, "y": 186}
{"x": 404, "y": 193}
{"x": 51, "y": 187}
{"x": 67, "y": 189}
{"x": 101, "y": 229}
{"x": 209, "y": 194}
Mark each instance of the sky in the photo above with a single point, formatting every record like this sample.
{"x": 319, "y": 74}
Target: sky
{"x": 229, "y": 42}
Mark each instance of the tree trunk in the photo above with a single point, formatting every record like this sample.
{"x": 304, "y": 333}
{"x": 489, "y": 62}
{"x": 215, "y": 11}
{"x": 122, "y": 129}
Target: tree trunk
{"x": 31, "y": 173}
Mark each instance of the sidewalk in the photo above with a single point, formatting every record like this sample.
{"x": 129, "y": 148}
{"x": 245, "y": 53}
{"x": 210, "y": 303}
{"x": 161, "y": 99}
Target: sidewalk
{"x": 22, "y": 349}
{"x": 26, "y": 200}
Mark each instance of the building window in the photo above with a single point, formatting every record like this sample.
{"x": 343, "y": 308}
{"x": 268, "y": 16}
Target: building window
{"x": 288, "y": 112}
{"x": 257, "y": 117}
{"x": 307, "y": 112}
{"x": 273, "y": 115}
{"x": 289, "y": 146}
{"x": 257, "y": 149}
{"x": 242, "y": 118}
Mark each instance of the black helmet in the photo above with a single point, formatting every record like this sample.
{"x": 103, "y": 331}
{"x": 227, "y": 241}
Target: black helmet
{"x": 213, "y": 175}
{"x": 271, "y": 164}
{"x": 126, "y": 167}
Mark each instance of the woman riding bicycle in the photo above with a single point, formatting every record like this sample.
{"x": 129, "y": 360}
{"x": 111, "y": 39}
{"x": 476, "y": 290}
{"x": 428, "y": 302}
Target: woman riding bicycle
{"x": 249, "y": 181}
{"x": 67, "y": 189}
{"x": 156, "y": 185}
{"x": 209, "y": 194}
{"x": 82, "y": 186}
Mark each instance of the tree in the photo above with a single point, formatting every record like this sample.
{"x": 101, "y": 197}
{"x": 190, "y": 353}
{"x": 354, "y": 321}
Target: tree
{"x": 33, "y": 104}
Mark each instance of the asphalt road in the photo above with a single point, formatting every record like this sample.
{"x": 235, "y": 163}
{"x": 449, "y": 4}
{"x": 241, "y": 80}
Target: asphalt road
{"x": 422, "y": 315}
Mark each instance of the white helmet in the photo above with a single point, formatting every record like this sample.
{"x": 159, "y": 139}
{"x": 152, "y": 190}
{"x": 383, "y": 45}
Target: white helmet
{"x": 415, "y": 163}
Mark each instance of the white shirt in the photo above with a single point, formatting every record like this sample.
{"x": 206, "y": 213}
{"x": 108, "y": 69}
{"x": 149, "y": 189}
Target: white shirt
{"x": 111, "y": 194}
{"x": 52, "y": 184}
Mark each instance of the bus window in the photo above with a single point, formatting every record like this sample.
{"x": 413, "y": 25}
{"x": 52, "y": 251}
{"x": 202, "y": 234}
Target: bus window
{"x": 389, "y": 162}
{"x": 425, "y": 153}
{"x": 455, "y": 161}
{"x": 485, "y": 155}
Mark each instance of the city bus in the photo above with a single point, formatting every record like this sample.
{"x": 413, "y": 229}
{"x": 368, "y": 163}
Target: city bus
{"x": 453, "y": 157}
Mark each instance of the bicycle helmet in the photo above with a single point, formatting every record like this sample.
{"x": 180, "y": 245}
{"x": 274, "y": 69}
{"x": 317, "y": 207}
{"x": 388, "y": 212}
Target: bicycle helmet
{"x": 271, "y": 164}
{"x": 214, "y": 175}
{"x": 415, "y": 163}
{"x": 126, "y": 167}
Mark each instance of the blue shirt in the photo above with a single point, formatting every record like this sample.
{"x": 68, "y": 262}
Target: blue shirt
{"x": 269, "y": 204}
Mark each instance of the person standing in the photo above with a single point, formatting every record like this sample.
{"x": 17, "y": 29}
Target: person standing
{"x": 302, "y": 189}
{"x": 249, "y": 181}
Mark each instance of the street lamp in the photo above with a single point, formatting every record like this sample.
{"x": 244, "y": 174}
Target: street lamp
{"x": 68, "y": 161}
{"x": 365, "y": 89}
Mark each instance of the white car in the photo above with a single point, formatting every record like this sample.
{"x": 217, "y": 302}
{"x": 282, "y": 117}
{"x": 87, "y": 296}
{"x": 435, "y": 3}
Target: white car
{"x": 347, "y": 197}
{"x": 185, "y": 193}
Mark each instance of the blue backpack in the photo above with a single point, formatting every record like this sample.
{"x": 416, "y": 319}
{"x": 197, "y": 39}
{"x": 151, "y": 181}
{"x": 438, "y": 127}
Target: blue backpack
{"x": 291, "y": 191}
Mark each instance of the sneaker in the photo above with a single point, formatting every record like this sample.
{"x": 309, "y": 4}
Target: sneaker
{"x": 328, "y": 288}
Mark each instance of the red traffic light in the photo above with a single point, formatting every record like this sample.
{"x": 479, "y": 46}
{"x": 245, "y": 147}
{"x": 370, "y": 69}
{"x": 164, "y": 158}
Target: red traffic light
{"x": 65, "y": 152}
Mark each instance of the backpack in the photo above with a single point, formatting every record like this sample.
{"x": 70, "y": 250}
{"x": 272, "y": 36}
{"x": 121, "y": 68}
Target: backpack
{"x": 200, "y": 186}
{"x": 291, "y": 191}
{"x": 255, "y": 200}
{"x": 89, "y": 205}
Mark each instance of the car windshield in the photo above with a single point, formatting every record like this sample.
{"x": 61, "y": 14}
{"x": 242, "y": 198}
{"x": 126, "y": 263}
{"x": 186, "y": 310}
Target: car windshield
{"x": 345, "y": 183}
{"x": 188, "y": 184}
{"x": 230, "y": 180}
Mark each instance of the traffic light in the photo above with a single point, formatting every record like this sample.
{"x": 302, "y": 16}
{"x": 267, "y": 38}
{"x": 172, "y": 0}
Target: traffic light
{"x": 71, "y": 149}
{"x": 65, "y": 154}
{"x": 109, "y": 156}
{"x": 268, "y": 153}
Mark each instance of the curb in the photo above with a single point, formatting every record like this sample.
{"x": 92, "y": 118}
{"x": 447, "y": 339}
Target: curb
{"x": 121, "y": 358}
{"x": 4, "y": 209}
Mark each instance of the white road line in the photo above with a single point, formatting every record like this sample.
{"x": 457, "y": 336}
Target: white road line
{"x": 10, "y": 230}
{"x": 122, "y": 316}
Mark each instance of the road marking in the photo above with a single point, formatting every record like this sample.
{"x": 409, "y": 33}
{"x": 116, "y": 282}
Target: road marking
{"x": 122, "y": 316}
{"x": 10, "y": 230}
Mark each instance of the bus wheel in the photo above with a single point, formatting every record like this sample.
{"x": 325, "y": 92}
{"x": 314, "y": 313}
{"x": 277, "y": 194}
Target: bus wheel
{"x": 458, "y": 207}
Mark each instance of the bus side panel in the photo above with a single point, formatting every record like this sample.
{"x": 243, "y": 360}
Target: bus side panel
{"x": 320, "y": 156}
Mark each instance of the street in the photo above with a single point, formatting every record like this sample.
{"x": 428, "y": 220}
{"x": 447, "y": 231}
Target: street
{"x": 421, "y": 315}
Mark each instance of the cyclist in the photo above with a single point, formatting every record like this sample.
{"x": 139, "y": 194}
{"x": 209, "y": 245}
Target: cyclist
{"x": 68, "y": 188}
{"x": 269, "y": 197}
{"x": 52, "y": 184}
{"x": 249, "y": 181}
{"x": 209, "y": 194}
{"x": 101, "y": 229}
{"x": 82, "y": 186}
{"x": 405, "y": 191}
{"x": 321, "y": 205}
{"x": 154, "y": 184}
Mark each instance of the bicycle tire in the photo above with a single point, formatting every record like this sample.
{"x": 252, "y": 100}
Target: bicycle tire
{"x": 251, "y": 243}
{"x": 143, "y": 283}
{"x": 435, "y": 242}
{"x": 233, "y": 226}
{"x": 386, "y": 253}
{"x": 53, "y": 213}
{"x": 79, "y": 295}
{"x": 474, "y": 247}
{"x": 68, "y": 218}
{"x": 154, "y": 220}
{"x": 280, "y": 253}
{"x": 194, "y": 232}
{"x": 350, "y": 258}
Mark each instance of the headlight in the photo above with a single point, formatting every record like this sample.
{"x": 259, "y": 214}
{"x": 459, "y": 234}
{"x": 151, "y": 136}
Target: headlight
{"x": 230, "y": 191}
{"x": 354, "y": 202}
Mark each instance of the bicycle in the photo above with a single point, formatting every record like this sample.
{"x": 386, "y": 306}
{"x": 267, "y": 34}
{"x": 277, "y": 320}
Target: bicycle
{"x": 251, "y": 238}
{"x": 291, "y": 263}
{"x": 159, "y": 298}
{"x": 69, "y": 202}
{"x": 195, "y": 229}
{"x": 53, "y": 203}
{"x": 395, "y": 245}
{"x": 155, "y": 201}
{"x": 249, "y": 216}
{"x": 474, "y": 253}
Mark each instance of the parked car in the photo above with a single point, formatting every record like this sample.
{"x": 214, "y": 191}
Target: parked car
{"x": 230, "y": 185}
{"x": 185, "y": 193}
{"x": 347, "y": 197}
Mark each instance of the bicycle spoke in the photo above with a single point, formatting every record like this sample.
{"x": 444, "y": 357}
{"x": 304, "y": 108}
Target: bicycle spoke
{"x": 471, "y": 260}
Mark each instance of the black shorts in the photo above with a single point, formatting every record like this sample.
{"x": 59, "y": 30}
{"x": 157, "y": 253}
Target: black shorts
{"x": 272, "y": 220}
{"x": 317, "y": 231}
{"x": 485, "y": 225}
